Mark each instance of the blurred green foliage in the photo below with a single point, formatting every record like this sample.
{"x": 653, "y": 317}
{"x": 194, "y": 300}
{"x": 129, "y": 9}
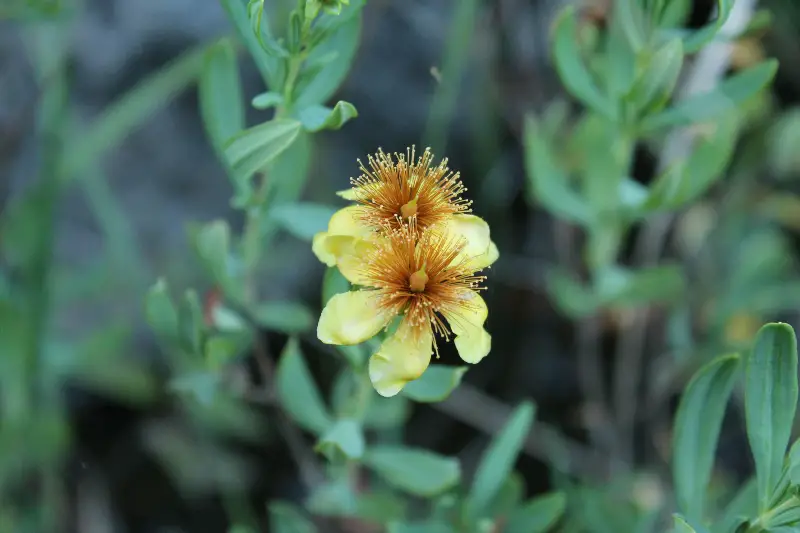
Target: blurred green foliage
{"x": 625, "y": 79}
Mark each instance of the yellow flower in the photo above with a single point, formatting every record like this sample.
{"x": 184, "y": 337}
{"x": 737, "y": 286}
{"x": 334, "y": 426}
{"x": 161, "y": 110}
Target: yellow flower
{"x": 391, "y": 193}
{"x": 426, "y": 278}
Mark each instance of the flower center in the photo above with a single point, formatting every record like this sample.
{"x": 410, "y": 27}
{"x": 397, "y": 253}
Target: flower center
{"x": 418, "y": 280}
{"x": 409, "y": 209}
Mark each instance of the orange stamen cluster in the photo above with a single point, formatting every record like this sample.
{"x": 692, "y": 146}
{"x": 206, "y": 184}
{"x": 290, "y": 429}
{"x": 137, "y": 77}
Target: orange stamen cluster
{"x": 394, "y": 190}
{"x": 419, "y": 273}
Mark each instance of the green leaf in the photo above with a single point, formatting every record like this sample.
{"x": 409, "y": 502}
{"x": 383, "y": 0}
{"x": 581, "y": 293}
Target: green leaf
{"x": 386, "y": 413}
{"x": 498, "y": 461}
{"x": 190, "y": 322}
{"x": 697, "y": 39}
{"x": 316, "y": 88}
{"x": 415, "y": 471}
{"x": 286, "y": 317}
{"x": 435, "y": 384}
{"x": 537, "y": 515}
{"x": 624, "y": 287}
{"x": 267, "y": 100}
{"x": 267, "y": 64}
{"x": 571, "y": 297}
{"x": 128, "y": 112}
{"x": 743, "y": 504}
{"x": 302, "y": 219}
{"x": 298, "y": 393}
{"x": 288, "y": 175}
{"x": 220, "y": 91}
{"x": 548, "y": 183}
{"x": 160, "y": 312}
{"x": 317, "y": 117}
{"x": 419, "y": 527}
{"x": 770, "y": 403}
{"x": 212, "y": 244}
{"x": 221, "y": 349}
{"x": 682, "y": 526}
{"x": 726, "y": 97}
{"x": 344, "y": 437}
{"x": 286, "y": 518}
{"x": 654, "y": 88}
{"x": 697, "y": 425}
{"x": 249, "y": 151}
{"x": 333, "y": 283}
{"x": 685, "y": 181}
{"x": 571, "y": 69}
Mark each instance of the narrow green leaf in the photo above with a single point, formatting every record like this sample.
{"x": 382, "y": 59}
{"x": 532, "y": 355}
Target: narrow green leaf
{"x": 130, "y": 111}
{"x": 726, "y": 97}
{"x": 160, "y": 312}
{"x": 655, "y": 86}
{"x": 322, "y": 84}
{"x": 344, "y": 437}
{"x": 624, "y": 287}
{"x": 770, "y": 402}
{"x": 302, "y": 219}
{"x": 415, "y": 471}
{"x": 682, "y": 526}
{"x": 697, "y": 425}
{"x": 498, "y": 461}
{"x": 267, "y": 64}
{"x": 286, "y": 518}
{"x": 220, "y": 92}
{"x": 570, "y": 67}
{"x": 298, "y": 393}
{"x": 570, "y": 296}
{"x": 317, "y": 117}
{"x": 419, "y": 527}
{"x": 267, "y": 100}
{"x": 435, "y": 384}
{"x": 190, "y": 322}
{"x": 286, "y": 317}
{"x": 697, "y": 39}
{"x": 548, "y": 183}
{"x": 212, "y": 244}
{"x": 743, "y": 504}
{"x": 249, "y": 151}
{"x": 537, "y": 515}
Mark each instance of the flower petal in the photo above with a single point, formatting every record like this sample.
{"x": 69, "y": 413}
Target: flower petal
{"x": 319, "y": 245}
{"x": 347, "y": 221}
{"x": 347, "y": 194}
{"x": 474, "y": 346}
{"x": 486, "y": 259}
{"x": 351, "y": 259}
{"x": 472, "y": 341}
{"x": 474, "y": 229}
{"x": 351, "y": 318}
{"x": 403, "y": 357}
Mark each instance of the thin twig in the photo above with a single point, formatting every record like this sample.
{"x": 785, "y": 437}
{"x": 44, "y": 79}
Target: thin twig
{"x": 708, "y": 68}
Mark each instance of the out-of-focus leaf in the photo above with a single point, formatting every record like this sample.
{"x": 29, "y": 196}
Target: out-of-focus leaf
{"x": 317, "y": 88}
{"x": 298, "y": 393}
{"x": 191, "y": 323}
{"x": 201, "y": 386}
{"x": 725, "y": 98}
{"x": 697, "y": 425}
{"x": 415, "y": 471}
{"x": 548, "y": 183}
{"x": 654, "y": 87}
{"x": 743, "y": 504}
{"x": 267, "y": 100}
{"x": 623, "y": 287}
{"x": 571, "y": 297}
{"x": 129, "y": 111}
{"x": 333, "y": 283}
{"x": 337, "y": 498}
{"x": 221, "y": 349}
{"x": 344, "y": 437}
{"x": 303, "y": 220}
{"x": 782, "y": 143}
{"x": 317, "y": 117}
{"x": 419, "y": 527}
{"x": 250, "y": 150}
{"x": 220, "y": 90}
{"x": 694, "y": 41}
{"x": 267, "y": 64}
{"x": 685, "y": 181}
{"x": 435, "y": 384}
{"x": 385, "y": 413}
{"x": 682, "y": 526}
{"x": 572, "y": 71}
{"x": 498, "y": 461}
{"x": 509, "y": 497}
{"x": 537, "y": 515}
{"x": 212, "y": 245}
{"x": 770, "y": 403}
{"x": 160, "y": 312}
{"x": 287, "y": 317}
